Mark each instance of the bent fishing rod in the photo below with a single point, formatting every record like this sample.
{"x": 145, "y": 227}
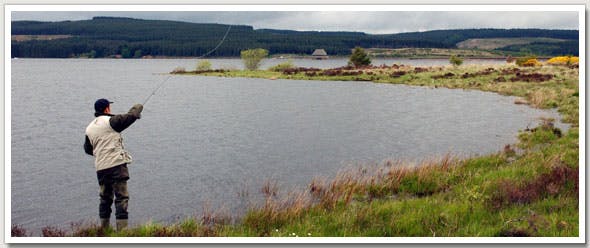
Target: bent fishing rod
{"x": 202, "y": 56}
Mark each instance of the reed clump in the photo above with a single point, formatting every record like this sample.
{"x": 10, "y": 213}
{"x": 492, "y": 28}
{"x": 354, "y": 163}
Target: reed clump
{"x": 51, "y": 231}
{"x": 18, "y": 231}
{"x": 275, "y": 212}
{"x": 349, "y": 187}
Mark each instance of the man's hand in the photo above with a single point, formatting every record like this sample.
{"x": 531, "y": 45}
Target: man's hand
{"x": 136, "y": 109}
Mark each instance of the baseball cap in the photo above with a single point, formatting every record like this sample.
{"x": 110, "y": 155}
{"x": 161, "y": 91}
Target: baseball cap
{"x": 101, "y": 104}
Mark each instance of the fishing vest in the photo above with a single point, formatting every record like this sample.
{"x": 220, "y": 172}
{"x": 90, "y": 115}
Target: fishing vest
{"x": 107, "y": 144}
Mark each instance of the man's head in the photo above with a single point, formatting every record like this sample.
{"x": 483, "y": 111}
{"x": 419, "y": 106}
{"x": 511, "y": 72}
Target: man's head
{"x": 102, "y": 106}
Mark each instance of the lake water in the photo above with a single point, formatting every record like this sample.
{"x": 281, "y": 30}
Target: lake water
{"x": 203, "y": 141}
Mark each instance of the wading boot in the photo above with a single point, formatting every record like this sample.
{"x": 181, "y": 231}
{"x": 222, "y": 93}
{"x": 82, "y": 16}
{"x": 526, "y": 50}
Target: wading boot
{"x": 105, "y": 223}
{"x": 121, "y": 224}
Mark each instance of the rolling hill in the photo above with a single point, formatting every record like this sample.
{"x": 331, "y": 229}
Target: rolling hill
{"x": 127, "y": 37}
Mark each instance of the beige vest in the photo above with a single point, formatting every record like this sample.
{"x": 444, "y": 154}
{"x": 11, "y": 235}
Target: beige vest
{"x": 107, "y": 144}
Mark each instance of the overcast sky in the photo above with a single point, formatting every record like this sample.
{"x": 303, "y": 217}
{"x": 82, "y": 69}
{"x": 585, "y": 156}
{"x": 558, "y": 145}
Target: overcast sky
{"x": 367, "y": 21}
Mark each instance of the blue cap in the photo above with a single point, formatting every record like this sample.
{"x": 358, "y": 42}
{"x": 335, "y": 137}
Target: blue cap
{"x": 101, "y": 104}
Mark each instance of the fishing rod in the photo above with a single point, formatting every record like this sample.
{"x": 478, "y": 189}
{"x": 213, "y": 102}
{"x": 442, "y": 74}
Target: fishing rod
{"x": 202, "y": 56}
{"x": 156, "y": 89}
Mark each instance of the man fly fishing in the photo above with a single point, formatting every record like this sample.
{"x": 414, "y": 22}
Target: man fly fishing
{"x": 105, "y": 142}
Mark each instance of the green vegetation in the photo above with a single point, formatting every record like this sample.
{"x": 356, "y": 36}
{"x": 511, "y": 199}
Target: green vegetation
{"x": 359, "y": 58}
{"x": 282, "y": 66}
{"x": 111, "y": 36}
{"x": 455, "y": 60}
{"x": 137, "y": 53}
{"x": 527, "y": 189}
{"x": 253, "y": 57}
{"x": 203, "y": 65}
{"x": 542, "y": 48}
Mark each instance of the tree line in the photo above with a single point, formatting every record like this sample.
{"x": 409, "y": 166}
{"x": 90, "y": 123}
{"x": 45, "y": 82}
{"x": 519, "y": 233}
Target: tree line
{"x": 543, "y": 48}
{"x": 128, "y": 37}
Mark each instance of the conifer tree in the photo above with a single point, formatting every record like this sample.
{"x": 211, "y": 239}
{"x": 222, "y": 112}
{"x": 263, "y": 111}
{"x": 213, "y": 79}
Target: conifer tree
{"x": 359, "y": 58}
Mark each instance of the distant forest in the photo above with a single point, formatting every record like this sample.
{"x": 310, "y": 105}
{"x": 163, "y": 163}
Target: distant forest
{"x": 128, "y": 38}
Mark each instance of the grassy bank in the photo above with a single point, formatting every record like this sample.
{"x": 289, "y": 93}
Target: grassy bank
{"x": 525, "y": 189}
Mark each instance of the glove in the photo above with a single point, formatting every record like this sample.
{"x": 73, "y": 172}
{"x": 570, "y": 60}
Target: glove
{"x": 136, "y": 110}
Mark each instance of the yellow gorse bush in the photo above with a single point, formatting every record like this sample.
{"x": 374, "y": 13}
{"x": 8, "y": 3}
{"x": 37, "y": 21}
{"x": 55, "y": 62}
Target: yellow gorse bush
{"x": 563, "y": 60}
{"x": 528, "y": 62}
{"x": 531, "y": 62}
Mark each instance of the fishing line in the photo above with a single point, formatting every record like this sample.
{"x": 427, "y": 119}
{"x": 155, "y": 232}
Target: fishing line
{"x": 218, "y": 45}
{"x": 202, "y": 56}
{"x": 154, "y": 92}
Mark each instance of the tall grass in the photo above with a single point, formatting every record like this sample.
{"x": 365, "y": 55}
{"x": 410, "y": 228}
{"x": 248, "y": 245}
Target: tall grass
{"x": 349, "y": 187}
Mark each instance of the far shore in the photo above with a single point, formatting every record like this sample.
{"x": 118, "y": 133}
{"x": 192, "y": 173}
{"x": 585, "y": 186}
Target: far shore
{"x": 293, "y": 57}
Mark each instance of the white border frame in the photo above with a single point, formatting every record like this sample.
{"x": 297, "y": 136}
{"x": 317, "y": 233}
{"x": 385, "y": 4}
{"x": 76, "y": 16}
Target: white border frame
{"x": 8, "y": 9}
